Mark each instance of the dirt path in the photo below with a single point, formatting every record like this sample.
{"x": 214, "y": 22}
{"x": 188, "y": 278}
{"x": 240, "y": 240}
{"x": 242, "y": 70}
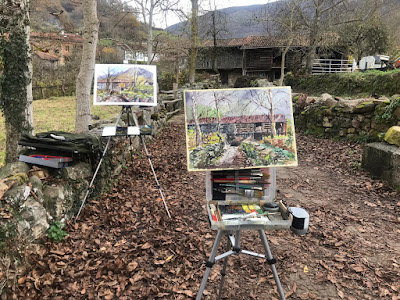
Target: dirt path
{"x": 125, "y": 247}
{"x": 231, "y": 154}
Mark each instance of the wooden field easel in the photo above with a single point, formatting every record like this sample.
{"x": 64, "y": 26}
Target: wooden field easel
{"x": 130, "y": 131}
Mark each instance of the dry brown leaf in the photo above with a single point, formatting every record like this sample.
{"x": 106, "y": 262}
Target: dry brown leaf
{"x": 132, "y": 266}
{"x": 146, "y": 246}
{"x": 21, "y": 280}
{"x": 292, "y": 291}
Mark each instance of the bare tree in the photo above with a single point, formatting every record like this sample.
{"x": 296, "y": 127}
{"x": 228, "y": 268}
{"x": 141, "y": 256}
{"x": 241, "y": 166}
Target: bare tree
{"x": 194, "y": 40}
{"x": 196, "y": 119}
{"x": 148, "y": 9}
{"x": 265, "y": 99}
{"x": 16, "y": 82}
{"x": 323, "y": 16}
{"x": 85, "y": 76}
{"x": 284, "y": 21}
{"x": 215, "y": 27}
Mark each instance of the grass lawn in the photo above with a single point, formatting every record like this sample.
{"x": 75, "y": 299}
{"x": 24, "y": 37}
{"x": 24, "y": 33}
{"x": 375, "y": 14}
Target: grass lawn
{"x": 55, "y": 114}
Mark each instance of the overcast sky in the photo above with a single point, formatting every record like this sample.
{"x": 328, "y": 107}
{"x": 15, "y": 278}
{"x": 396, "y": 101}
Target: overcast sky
{"x": 173, "y": 19}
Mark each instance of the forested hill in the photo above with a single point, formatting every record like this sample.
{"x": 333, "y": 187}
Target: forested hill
{"x": 56, "y": 15}
{"x": 233, "y": 22}
{"x": 116, "y": 17}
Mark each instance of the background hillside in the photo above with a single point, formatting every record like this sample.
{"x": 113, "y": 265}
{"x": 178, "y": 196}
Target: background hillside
{"x": 46, "y": 17}
{"x": 237, "y": 22}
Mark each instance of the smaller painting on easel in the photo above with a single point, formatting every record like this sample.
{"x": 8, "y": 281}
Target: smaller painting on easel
{"x": 239, "y": 128}
{"x": 125, "y": 84}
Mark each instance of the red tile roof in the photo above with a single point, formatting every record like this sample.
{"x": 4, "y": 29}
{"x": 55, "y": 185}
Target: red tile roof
{"x": 46, "y": 56}
{"x": 66, "y": 37}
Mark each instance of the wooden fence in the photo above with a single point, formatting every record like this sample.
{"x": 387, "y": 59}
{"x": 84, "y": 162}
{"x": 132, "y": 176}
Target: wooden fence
{"x": 327, "y": 66}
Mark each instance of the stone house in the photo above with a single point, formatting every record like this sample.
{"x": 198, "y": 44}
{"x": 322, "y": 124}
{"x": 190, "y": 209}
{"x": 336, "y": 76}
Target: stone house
{"x": 60, "y": 45}
{"x": 115, "y": 84}
{"x": 48, "y": 60}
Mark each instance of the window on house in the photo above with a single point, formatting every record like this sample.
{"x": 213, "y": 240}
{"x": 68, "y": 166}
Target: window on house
{"x": 140, "y": 56}
{"x": 67, "y": 48}
{"x": 128, "y": 55}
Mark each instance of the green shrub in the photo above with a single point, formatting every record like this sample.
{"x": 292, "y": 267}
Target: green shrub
{"x": 348, "y": 84}
{"x": 56, "y": 232}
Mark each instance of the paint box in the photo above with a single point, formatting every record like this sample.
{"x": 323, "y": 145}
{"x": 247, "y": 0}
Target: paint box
{"x": 231, "y": 211}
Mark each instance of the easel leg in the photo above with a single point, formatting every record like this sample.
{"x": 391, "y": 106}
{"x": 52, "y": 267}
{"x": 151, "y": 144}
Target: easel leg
{"x": 223, "y": 271}
{"x": 210, "y": 263}
{"x": 98, "y": 166}
{"x": 128, "y": 114}
{"x": 151, "y": 164}
{"x": 271, "y": 262}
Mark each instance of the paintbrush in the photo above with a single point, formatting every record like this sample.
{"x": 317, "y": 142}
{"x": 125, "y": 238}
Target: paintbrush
{"x": 222, "y": 180}
{"x": 242, "y": 192}
{"x": 247, "y": 187}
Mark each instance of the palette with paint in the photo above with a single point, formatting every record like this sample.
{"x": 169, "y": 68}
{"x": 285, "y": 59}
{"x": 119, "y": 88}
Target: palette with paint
{"x": 244, "y": 199}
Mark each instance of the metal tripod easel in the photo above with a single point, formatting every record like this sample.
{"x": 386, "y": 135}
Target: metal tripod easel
{"x": 233, "y": 248}
{"x": 128, "y": 111}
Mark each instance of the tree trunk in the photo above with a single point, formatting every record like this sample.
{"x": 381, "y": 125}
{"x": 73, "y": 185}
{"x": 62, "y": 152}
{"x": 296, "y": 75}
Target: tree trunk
{"x": 314, "y": 33}
{"x": 16, "y": 86}
{"x": 283, "y": 61}
{"x": 215, "y": 49}
{"x": 85, "y": 76}
{"x": 29, "y": 93}
{"x": 194, "y": 41}
{"x": 196, "y": 122}
{"x": 150, "y": 35}
{"x": 271, "y": 112}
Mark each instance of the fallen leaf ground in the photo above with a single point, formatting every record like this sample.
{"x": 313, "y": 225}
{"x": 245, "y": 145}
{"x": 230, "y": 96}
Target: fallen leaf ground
{"x": 125, "y": 247}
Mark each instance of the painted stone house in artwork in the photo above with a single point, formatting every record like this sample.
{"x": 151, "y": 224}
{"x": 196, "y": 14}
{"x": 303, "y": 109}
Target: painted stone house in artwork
{"x": 114, "y": 84}
{"x": 256, "y": 127}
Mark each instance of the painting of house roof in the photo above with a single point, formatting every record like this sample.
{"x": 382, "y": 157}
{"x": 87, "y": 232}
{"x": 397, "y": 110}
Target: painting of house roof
{"x": 239, "y": 128}
{"x": 125, "y": 85}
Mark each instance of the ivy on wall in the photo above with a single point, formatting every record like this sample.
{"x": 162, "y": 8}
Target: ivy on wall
{"x": 14, "y": 53}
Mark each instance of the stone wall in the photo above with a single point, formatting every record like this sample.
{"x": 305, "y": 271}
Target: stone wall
{"x": 33, "y": 197}
{"x": 383, "y": 161}
{"x": 331, "y": 117}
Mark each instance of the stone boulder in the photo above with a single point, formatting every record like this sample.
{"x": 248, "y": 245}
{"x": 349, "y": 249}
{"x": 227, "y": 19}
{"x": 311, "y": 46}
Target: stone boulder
{"x": 328, "y": 100}
{"x": 79, "y": 171}
{"x": 396, "y": 113}
{"x": 17, "y": 194}
{"x": 54, "y": 199}
{"x": 34, "y": 220}
{"x": 264, "y": 83}
{"x": 383, "y": 161}
{"x": 357, "y": 105}
{"x": 392, "y": 136}
{"x": 13, "y": 168}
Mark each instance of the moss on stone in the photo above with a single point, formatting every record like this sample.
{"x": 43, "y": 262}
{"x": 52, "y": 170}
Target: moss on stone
{"x": 363, "y": 104}
{"x": 296, "y": 98}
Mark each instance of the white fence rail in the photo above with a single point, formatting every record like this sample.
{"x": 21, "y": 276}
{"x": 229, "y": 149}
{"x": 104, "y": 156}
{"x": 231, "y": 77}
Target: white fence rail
{"x": 326, "y": 66}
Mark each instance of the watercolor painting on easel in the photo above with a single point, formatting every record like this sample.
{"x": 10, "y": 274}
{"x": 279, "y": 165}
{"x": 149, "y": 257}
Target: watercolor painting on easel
{"x": 239, "y": 128}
